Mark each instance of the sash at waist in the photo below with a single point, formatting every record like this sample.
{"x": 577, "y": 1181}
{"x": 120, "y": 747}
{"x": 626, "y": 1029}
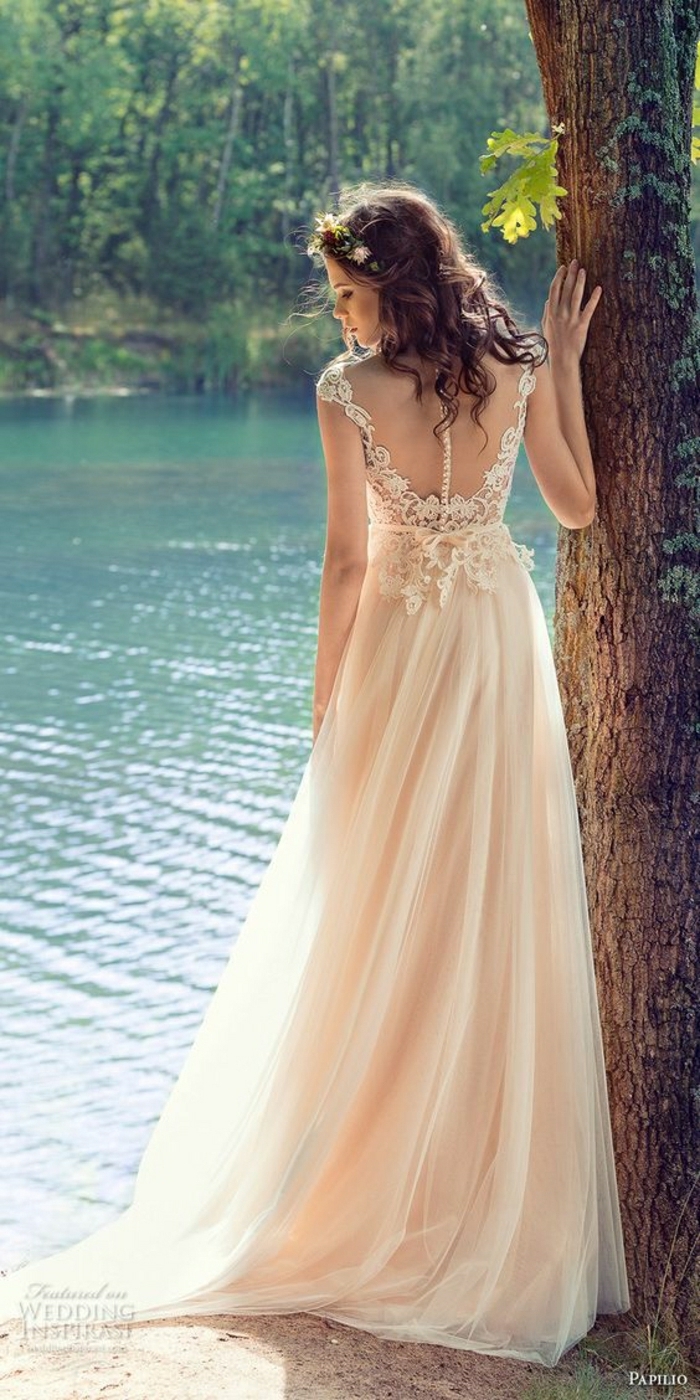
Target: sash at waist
{"x": 467, "y": 528}
{"x": 415, "y": 561}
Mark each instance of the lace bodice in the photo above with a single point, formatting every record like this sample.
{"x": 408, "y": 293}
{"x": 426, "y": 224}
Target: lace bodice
{"x": 423, "y": 541}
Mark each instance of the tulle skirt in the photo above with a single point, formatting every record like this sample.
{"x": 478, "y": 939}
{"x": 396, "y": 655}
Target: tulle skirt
{"x": 394, "y": 1112}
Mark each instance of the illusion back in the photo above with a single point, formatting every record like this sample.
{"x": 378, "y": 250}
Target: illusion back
{"x": 435, "y": 535}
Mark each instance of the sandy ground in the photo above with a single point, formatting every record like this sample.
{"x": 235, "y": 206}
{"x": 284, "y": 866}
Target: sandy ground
{"x": 289, "y": 1357}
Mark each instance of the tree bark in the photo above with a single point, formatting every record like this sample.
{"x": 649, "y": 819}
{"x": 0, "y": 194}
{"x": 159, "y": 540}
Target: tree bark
{"x": 625, "y": 636}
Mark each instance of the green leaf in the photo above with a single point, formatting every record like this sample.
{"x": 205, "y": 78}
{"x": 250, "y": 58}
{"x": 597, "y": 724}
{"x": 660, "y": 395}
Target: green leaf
{"x": 531, "y": 187}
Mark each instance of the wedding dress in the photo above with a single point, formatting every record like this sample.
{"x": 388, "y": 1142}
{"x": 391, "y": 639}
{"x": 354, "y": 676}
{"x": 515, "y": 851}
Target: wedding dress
{"x": 394, "y": 1113}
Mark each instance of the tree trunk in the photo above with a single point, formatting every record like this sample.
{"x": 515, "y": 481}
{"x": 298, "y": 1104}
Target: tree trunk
{"x": 151, "y": 196}
{"x": 625, "y": 634}
{"x": 13, "y": 149}
{"x": 332, "y": 120}
{"x": 43, "y": 228}
{"x": 288, "y": 138}
{"x": 392, "y": 114}
{"x": 234, "y": 122}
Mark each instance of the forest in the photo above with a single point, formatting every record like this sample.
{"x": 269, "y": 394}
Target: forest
{"x": 163, "y": 158}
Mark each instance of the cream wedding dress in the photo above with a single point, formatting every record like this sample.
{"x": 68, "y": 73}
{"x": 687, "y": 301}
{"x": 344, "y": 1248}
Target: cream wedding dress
{"x": 394, "y": 1113}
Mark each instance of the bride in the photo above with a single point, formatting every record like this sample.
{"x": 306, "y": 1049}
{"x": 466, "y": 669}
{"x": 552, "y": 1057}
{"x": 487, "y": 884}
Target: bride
{"x": 394, "y": 1113}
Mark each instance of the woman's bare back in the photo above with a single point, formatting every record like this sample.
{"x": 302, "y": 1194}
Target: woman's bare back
{"x": 404, "y": 425}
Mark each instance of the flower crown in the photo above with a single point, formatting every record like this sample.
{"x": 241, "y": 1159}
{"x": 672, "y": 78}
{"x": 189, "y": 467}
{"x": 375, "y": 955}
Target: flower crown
{"x": 335, "y": 240}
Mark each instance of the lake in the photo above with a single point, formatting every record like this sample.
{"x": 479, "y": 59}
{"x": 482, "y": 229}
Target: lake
{"x": 159, "y": 578}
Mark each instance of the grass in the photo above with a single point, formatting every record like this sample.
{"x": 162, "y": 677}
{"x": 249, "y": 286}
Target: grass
{"x": 586, "y": 1383}
{"x": 601, "y": 1363}
{"x": 641, "y": 1348}
{"x": 600, "y": 1367}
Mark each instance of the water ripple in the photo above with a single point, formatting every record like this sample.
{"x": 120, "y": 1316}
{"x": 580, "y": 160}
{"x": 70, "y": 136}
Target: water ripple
{"x": 158, "y": 604}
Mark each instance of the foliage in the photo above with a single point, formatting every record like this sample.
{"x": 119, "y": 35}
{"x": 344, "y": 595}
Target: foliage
{"x": 179, "y": 149}
{"x": 512, "y": 207}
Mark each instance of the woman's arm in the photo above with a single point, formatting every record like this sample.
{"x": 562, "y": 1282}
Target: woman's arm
{"x": 556, "y": 437}
{"x": 345, "y": 555}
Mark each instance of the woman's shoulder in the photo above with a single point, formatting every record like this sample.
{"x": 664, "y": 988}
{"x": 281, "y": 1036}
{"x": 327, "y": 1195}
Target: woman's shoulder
{"x": 338, "y": 380}
{"x": 349, "y": 378}
{"x": 512, "y": 377}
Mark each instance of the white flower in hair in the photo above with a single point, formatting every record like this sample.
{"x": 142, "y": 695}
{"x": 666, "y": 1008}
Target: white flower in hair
{"x": 360, "y": 254}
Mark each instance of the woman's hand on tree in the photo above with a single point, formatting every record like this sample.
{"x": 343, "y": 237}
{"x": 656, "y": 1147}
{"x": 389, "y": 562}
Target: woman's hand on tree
{"x": 564, "y": 324}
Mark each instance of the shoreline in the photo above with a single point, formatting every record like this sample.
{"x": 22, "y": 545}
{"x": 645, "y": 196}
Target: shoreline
{"x": 80, "y": 391}
{"x": 127, "y": 391}
{"x": 106, "y": 345}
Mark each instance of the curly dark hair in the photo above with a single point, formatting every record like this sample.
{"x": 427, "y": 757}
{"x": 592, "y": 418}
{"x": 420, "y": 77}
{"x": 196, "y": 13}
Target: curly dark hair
{"x": 433, "y": 296}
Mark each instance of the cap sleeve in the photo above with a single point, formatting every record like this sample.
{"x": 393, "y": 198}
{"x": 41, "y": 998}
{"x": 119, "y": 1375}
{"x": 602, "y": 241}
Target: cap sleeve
{"x": 333, "y": 386}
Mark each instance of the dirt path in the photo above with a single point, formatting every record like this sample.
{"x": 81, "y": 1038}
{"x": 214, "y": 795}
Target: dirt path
{"x": 291, "y": 1357}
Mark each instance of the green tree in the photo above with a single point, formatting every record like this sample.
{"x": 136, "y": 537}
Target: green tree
{"x": 173, "y": 147}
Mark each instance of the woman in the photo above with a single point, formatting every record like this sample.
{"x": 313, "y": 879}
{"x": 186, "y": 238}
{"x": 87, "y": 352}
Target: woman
{"x": 394, "y": 1112}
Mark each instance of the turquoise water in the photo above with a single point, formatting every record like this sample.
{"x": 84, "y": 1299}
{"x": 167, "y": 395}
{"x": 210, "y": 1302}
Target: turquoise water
{"x": 159, "y": 574}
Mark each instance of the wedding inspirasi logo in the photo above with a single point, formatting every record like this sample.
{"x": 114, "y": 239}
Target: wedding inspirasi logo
{"x": 56, "y": 1318}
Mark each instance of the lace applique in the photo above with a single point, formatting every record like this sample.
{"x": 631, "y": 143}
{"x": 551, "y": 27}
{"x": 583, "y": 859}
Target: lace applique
{"x": 335, "y": 387}
{"x": 421, "y": 542}
{"x": 413, "y": 564}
